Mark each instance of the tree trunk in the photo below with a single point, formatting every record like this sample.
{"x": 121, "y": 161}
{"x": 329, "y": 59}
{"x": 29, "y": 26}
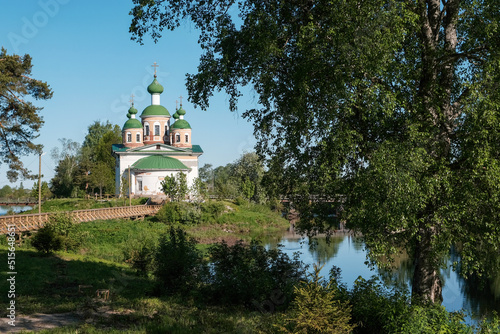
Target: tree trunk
{"x": 426, "y": 284}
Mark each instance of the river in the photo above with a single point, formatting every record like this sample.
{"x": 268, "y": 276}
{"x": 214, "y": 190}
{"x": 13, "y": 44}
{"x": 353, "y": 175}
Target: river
{"x": 348, "y": 253}
{"x": 4, "y": 209}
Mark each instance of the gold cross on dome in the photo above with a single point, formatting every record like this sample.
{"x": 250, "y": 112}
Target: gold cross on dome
{"x": 180, "y": 97}
{"x": 132, "y": 99}
{"x": 155, "y": 66}
{"x": 176, "y": 104}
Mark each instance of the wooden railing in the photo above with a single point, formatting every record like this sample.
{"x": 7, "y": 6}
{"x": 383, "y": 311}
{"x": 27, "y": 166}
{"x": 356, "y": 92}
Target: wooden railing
{"x": 35, "y": 221}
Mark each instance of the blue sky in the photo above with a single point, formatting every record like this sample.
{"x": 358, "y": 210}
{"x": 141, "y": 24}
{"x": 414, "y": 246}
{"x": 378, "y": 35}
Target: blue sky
{"x": 83, "y": 50}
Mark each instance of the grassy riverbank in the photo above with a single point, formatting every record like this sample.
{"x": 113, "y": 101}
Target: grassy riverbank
{"x": 101, "y": 257}
{"x": 67, "y": 280}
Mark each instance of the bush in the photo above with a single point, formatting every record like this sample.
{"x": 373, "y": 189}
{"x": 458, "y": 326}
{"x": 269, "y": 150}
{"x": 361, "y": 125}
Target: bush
{"x": 190, "y": 213}
{"x": 59, "y": 233}
{"x": 178, "y": 264}
{"x": 140, "y": 253}
{"x": 377, "y": 310}
{"x": 318, "y": 308}
{"x": 210, "y": 211}
{"x": 253, "y": 276}
{"x": 179, "y": 212}
{"x": 46, "y": 240}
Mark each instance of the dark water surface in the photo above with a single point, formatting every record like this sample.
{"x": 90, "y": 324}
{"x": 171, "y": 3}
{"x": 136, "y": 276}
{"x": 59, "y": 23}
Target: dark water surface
{"x": 347, "y": 253}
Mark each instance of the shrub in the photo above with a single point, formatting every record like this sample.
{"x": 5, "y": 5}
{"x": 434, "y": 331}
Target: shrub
{"x": 318, "y": 308}
{"x": 252, "y": 275}
{"x": 179, "y": 212}
{"x": 46, "y": 240}
{"x": 178, "y": 263}
{"x": 59, "y": 233}
{"x": 140, "y": 253}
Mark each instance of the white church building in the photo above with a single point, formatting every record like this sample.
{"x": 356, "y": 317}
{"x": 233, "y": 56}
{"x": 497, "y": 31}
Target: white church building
{"x": 152, "y": 148}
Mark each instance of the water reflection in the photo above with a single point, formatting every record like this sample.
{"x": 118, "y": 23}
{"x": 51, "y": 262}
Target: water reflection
{"x": 4, "y": 209}
{"x": 477, "y": 297}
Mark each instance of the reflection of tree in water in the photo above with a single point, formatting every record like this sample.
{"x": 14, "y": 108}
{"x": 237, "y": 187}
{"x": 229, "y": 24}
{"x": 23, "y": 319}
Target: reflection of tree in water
{"x": 482, "y": 294}
{"x": 323, "y": 250}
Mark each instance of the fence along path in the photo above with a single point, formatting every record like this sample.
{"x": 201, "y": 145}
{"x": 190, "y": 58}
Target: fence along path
{"x": 35, "y": 221}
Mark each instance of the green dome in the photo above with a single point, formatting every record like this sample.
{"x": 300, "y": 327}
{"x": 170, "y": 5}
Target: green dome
{"x": 181, "y": 112}
{"x": 132, "y": 110}
{"x": 155, "y": 110}
{"x": 158, "y": 162}
{"x": 155, "y": 87}
{"x": 132, "y": 123}
{"x": 175, "y": 115}
{"x": 181, "y": 124}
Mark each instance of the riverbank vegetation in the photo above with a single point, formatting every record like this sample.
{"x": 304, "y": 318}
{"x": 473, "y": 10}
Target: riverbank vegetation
{"x": 230, "y": 283}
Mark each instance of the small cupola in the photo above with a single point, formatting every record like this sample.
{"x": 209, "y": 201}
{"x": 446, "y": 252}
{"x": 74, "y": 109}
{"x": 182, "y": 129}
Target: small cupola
{"x": 132, "y": 129}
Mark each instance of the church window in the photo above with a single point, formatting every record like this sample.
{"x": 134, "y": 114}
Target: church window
{"x": 138, "y": 137}
{"x": 129, "y": 137}
{"x": 146, "y": 130}
{"x": 177, "y": 138}
{"x": 157, "y": 129}
{"x": 139, "y": 184}
{"x": 187, "y": 138}
{"x": 166, "y": 129}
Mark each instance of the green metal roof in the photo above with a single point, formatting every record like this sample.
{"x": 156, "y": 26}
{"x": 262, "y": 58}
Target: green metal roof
{"x": 132, "y": 110}
{"x": 158, "y": 162}
{"x": 132, "y": 123}
{"x": 155, "y": 87}
{"x": 181, "y": 111}
{"x": 155, "y": 110}
{"x": 181, "y": 124}
{"x": 197, "y": 149}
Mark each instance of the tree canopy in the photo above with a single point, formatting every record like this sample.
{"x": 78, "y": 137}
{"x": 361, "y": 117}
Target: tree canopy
{"x": 388, "y": 107}
{"x": 20, "y": 120}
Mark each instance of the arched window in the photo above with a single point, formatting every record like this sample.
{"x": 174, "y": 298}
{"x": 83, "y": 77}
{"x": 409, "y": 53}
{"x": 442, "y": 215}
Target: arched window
{"x": 138, "y": 137}
{"x": 187, "y": 138}
{"x": 146, "y": 129}
{"x": 129, "y": 137}
{"x": 157, "y": 129}
{"x": 166, "y": 130}
{"x": 177, "y": 138}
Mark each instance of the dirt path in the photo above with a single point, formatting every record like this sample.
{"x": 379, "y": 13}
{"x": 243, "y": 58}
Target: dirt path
{"x": 38, "y": 322}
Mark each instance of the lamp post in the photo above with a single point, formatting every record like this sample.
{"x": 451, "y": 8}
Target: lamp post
{"x": 40, "y": 182}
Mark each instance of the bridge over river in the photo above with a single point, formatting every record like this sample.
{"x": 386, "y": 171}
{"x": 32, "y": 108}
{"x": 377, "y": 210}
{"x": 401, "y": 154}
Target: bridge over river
{"x": 31, "y": 222}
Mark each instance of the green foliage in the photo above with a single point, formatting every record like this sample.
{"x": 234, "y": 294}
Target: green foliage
{"x": 317, "y": 308}
{"x": 177, "y": 262}
{"x": 169, "y": 187}
{"x": 190, "y": 213}
{"x": 59, "y": 233}
{"x": 271, "y": 274}
{"x": 64, "y": 184}
{"x": 47, "y": 240}
{"x": 199, "y": 190}
{"x": 45, "y": 191}
{"x": 5, "y": 191}
{"x": 102, "y": 177}
{"x": 390, "y": 108}
{"x": 20, "y": 120}
{"x": 182, "y": 187}
{"x": 140, "y": 253}
{"x": 175, "y": 186}
{"x": 179, "y": 212}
